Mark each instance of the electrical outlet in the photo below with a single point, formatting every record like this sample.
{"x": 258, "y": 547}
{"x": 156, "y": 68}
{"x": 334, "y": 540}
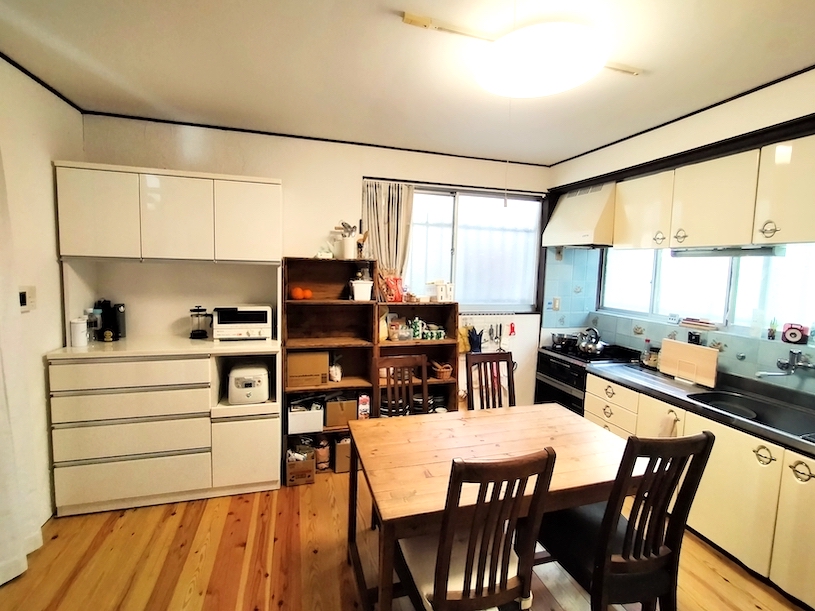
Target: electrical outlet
{"x": 556, "y": 304}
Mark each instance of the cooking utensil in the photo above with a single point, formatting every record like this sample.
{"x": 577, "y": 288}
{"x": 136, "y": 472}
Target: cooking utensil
{"x": 561, "y": 340}
{"x": 588, "y": 338}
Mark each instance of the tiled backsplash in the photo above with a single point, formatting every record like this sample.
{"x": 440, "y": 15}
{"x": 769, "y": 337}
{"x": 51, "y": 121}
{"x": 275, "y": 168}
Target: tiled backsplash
{"x": 572, "y": 279}
{"x": 738, "y": 355}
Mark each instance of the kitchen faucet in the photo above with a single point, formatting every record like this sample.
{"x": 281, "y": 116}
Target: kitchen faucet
{"x": 788, "y": 366}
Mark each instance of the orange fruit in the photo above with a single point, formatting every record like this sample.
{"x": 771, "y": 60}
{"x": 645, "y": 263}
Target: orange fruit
{"x": 307, "y": 294}
{"x": 297, "y": 293}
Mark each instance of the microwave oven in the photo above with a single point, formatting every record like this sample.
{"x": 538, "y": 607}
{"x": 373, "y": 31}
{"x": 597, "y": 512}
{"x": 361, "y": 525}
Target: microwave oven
{"x": 242, "y": 322}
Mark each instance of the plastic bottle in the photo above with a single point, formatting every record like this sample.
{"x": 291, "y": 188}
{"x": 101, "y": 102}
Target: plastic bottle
{"x": 811, "y": 339}
{"x": 93, "y": 323}
{"x": 646, "y": 352}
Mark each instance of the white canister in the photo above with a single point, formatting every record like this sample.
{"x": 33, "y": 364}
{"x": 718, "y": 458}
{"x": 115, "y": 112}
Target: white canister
{"x": 79, "y": 332}
{"x": 362, "y": 289}
{"x": 348, "y": 248}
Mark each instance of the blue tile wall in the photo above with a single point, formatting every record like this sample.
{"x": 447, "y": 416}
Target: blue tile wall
{"x": 572, "y": 277}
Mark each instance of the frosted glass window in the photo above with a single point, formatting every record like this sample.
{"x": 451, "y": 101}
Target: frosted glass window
{"x": 776, "y": 287}
{"x": 627, "y": 280}
{"x": 693, "y": 287}
{"x": 431, "y": 241}
{"x": 488, "y": 247}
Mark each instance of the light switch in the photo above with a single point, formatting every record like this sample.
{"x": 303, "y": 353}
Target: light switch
{"x": 556, "y": 304}
{"x": 28, "y": 298}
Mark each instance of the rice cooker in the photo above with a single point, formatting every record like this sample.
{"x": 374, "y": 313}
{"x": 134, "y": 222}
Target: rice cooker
{"x": 248, "y": 384}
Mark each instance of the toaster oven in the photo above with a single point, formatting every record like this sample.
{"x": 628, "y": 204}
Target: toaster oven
{"x": 242, "y": 322}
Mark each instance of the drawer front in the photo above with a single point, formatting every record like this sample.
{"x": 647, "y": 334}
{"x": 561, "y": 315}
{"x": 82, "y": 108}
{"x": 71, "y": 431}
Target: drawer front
{"x": 131, "y": 479}
{"x": 625, "y": 397}
{"x": 611, "y": 413}
{"x": 607, "y": 425}
{"x": 127, "y": 374}
{"x": 110, "y": 406}
{"x": 112, "y": 440}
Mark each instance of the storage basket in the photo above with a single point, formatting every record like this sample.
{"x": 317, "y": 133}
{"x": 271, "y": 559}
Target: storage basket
{"x": 441, "y": 371}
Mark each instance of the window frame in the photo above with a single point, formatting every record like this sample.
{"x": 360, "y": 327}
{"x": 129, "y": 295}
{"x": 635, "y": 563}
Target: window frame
{"x": 456, "y": 193}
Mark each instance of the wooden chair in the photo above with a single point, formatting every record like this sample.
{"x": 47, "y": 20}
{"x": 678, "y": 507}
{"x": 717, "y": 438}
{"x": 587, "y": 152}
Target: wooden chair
{"x": 489, "y": 371}
{"x": 483, "y": 555}
{"x": 404, "y": 376}
{"x": 619, "y": 560}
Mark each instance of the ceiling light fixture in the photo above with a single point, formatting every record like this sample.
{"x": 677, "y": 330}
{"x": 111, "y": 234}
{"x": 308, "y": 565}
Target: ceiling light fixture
{"x": 537, "y": 60}
{"x": 542, "y": 59}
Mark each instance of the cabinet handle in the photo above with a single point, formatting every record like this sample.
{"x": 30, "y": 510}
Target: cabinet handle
{"x": 763, "y": 455}
{"x": 801, "y": 471}
{"x": 607, "y": 411}
{"x": 769, "y": 229}
{"x": 659, "y": 237}
{"x": 674, "y": 414}
{"x": 609, "y": 392}
{"x": 680, "y": 235}
{"x": 605, "y": 426}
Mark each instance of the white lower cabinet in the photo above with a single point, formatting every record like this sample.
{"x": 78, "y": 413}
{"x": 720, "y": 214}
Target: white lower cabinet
{"x": 246, "y": 451}
{"x": 612, "y": 406}
{"x": 735, "y": 506}
{"x": 656, "y": 418}
{"x": 793, "y": 560}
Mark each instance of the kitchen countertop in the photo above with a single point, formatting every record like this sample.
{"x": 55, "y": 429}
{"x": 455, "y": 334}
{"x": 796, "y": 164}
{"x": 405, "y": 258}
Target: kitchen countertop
{"x": 665, "y": 388}
{"x": 165, "y": 346}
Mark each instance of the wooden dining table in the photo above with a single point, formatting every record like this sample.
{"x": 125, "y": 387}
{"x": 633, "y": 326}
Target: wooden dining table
{"x": 406, "y": 463}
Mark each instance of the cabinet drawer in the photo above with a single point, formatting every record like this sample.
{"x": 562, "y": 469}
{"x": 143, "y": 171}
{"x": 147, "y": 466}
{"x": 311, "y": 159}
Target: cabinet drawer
{"x": 611, "y": 413}
{"x": 127, "y": 374}
{"x": 111, "y": 440}
{"x": 614, "y": 393}
{"x": 127, "y": 479}
{"x": 246, "y": 451}
{"x": 600, "y": 421}
{"x": 109, "y": 406}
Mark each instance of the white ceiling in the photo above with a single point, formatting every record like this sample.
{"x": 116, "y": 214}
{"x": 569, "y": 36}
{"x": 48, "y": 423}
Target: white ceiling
{"x": 350, "y": 70}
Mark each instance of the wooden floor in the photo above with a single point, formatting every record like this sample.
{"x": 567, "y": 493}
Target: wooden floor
{"x": 282, "y": 550}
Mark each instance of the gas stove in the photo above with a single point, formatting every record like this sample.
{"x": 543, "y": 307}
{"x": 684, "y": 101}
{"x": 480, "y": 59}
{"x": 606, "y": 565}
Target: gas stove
{"x": 561, "y": 373}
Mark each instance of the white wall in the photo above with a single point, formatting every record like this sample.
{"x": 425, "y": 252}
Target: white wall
{"x": 35, "y": 128}
{"x": 783, "y": 101}
{"x": 322, "y": 181}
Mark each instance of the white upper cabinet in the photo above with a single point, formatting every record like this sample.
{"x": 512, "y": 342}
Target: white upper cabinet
{"x": 714, "y": 201}
{"x": 247, "y": 221}
{"x": 785, "y": 201}
{"x": 98, "y": 213}
{"x": 177, "y": 217}
{"x": 642, "y": 214}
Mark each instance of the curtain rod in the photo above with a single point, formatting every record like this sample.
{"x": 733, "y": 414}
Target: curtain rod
{"x": 436, "y": 185}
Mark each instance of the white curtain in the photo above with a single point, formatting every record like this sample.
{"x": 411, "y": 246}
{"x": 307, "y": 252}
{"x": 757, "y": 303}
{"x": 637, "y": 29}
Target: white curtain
{"x": 17, "y": 528}
{"x": 387, "y": 208}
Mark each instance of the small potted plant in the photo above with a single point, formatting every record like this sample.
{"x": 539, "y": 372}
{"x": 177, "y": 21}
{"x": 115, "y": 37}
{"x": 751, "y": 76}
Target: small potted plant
{"x": 772, "y": 329}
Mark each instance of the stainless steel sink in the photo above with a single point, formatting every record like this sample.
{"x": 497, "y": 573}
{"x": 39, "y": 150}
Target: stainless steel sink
{"x": 789, "y": 418}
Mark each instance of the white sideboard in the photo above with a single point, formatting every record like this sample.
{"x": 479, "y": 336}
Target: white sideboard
{"x": 145, "y": 421}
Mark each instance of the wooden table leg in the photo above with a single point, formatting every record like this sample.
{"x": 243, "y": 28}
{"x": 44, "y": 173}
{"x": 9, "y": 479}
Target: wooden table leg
{"x": 387, "y": 546}
{"x": 352, "y": 498}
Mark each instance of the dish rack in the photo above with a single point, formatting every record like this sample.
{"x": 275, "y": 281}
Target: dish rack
{"x": 441, "y": 371}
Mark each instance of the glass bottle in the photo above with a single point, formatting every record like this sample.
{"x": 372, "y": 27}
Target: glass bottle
{"x": 646, "y": 352}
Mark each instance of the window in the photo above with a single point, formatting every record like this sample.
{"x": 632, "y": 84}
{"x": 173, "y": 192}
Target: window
{"x": 740, "y": 291}
{"x": 488, "y": 247}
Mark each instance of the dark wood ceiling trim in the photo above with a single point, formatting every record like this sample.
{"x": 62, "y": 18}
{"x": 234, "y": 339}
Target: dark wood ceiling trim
{"x": 789, "y": 130}
{"x": 40, "y": 82}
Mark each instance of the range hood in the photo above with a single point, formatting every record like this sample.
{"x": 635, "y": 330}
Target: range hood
{"x": 584, "y": 217}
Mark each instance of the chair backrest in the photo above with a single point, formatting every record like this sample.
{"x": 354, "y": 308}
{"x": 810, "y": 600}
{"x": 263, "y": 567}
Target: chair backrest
{"x": 405, "y": 378}
{"x": 494, "y": 529}
{"x": 652, "y": 539}
{"x": 488, "y": 368}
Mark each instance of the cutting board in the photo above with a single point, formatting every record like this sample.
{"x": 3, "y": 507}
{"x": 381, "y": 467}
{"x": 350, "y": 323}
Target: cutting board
{"x": 689, "y": 362}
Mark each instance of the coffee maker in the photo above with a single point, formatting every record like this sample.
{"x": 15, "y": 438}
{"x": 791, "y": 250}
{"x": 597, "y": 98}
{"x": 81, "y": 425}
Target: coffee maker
{"x": 112, "y": 326}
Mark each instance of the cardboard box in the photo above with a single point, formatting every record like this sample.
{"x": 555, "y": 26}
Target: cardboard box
{"x": 342, "y": 457}
{"x": 338, "y": 413}
{"x": 301, "y": 472}
{"x": 308, "y": 421}
{"x": 306, "y": 368}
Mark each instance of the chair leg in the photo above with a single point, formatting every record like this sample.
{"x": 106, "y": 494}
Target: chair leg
{"x": 667, "y": 602}
{"x": 649, "y": 605}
